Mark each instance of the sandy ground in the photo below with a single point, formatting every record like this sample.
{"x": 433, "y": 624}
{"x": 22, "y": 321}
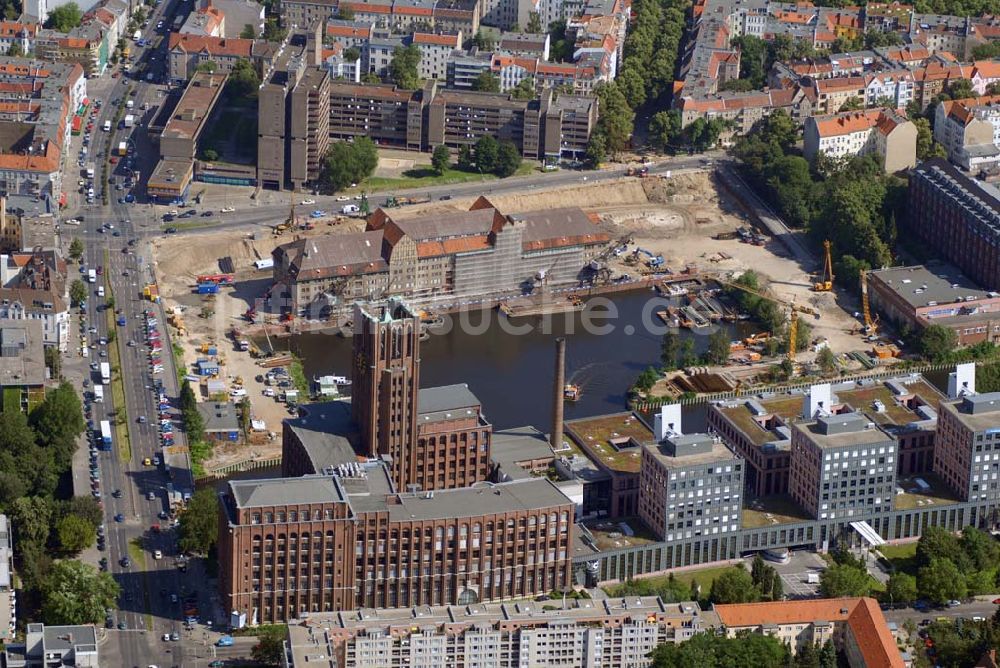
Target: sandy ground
{"x": 676, "y": 217}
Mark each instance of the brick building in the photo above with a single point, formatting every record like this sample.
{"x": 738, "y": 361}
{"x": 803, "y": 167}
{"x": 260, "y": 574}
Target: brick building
{"x": 936, "y": 294}
{"x": 958, "y": 217}
{"x": 291, "y": 546}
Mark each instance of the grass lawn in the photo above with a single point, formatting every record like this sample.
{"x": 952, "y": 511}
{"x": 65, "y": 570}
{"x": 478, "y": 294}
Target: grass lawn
{"x": 117, "y": 380}
{"x": 902, "y": 557}
{"x": 703, "y": 576}
{"x": 421, "y": 177}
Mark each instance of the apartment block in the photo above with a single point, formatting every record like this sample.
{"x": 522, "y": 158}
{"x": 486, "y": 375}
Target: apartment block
{"x": 74, "y": 646}
{"x": 958, "y": 217}
{"x": 969, "y": 130}
{"x": 22, "y": 381}
{"x": 968, "y": 455}
{"x": 936, "y": 294}
{"x": 879, "y": 132}
{"x": 303, "y": 13}
{"x": 292, "y": 546}
{"x": 690, "y": 485}
{"x": 186, "y": 51}
{"x": 843, "y": 467}
{"x": 855, "y": 625}
{"x": 606, "y": 633}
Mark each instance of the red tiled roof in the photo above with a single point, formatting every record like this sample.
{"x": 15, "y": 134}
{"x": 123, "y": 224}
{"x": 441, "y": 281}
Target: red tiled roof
{"x": 216, "y": 46}
{"x": 445, "y": 39}
{"x": 862, "y": 615}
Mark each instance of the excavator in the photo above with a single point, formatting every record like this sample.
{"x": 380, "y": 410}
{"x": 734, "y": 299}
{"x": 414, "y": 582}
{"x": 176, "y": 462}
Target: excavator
{"x": 826, "y": 284}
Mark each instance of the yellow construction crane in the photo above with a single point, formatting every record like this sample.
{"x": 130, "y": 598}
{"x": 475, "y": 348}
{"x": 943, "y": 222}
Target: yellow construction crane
{"x": 793, "y": 315}
{"x": 826, "y": 284}
{"x": 871, "y": 324}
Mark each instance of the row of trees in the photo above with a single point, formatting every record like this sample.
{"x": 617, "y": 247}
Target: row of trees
{"x": 710, "y": 650}
{"x": 647, "y": 74}
{"x": 35, "y": 450}
{"x": 853, "y": 203}
{"x": 489, "y": 156}
{"x": 734, "y": 585}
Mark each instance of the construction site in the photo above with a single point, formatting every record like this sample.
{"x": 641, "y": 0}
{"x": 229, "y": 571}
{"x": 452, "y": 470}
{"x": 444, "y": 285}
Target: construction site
{"x": 681, "y": 236}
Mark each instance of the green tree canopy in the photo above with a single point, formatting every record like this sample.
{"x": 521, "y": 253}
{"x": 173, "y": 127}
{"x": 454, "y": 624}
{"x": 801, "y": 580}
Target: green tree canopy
{"x": 718, "y": 347}
{"x": 76, "y": 593}
{"x": 940, "y": 581}
{"x": 486, "y": 82}
{"x": 403, "y": 67}
{"x": 710, "y": 650}
{"x": 734, "y": 585}
{"x": 248, "y": 32}
{"x": 77, "y": 292}
{"x": 199, "y": 524}
{"x": 243, "y": 80}
{"x": 534, "y": 25}
{"x": 349, "y": 162}
{"x": 508, "y": 159}
{"x": 486, "y": 151}
{"x": 440, "y": 159}
{"x": 76, "y": 249}
{"x": 937, "y": 341}
{"x": 75, "y": 534}
{"x": 58, "y": 422}
{"x": 268, "y": 651}
{"x": 65, "y": 17}
{"x": 845, "y": 580}
{"x": 901, "y": 589}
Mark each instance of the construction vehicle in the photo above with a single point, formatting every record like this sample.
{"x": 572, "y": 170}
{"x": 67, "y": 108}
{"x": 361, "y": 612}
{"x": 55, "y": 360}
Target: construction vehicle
{"x": 793, "y": 315}
{"x": 393, "y": 201}
{"x": 221, "y": 279}
{"x": 280, "y": 229}
{"x": 826, "y": 284}
{"x": 637, "y": 171}
{"x": 871, "y": 324}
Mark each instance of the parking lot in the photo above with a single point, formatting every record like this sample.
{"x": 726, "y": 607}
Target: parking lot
{"x": 794, "y": 574}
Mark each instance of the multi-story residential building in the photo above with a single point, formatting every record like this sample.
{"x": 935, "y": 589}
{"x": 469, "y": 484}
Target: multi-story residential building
{"x": 880, "y": 132}
{"x": 969, "y": 130}
{"x": 21, "y": 34}
{"x": 524, "y": 45}
{"x": 958, "y": 217}
{"x": 42, "y": 99}
{"x": 479, "y": 251}
{"x": 359, "y": 543}
{"x": 464, "y": 68}
{"x": 302, "y": 13}
{"x": 45, "y": 306}
{"x": 855, "y": 625}
{"x": 238, "y": 15}
{"x": 434, "y": 51}
{"x": 186, "y": 51}
{"x": 355, "y": 34}
{"x": 605, "y": 634}
{"x": 968, "y": 455}
{"x": 85, "y": 45}
{"x": 843, "y": 467}
{"x": 74, "y": 646}
{"x": 209, "y": 21}
{"x": 547, "y": 127}
{"x": 936, "y": 294}
{"x": 691, "y": 485}
{"x": 171, "y": 178}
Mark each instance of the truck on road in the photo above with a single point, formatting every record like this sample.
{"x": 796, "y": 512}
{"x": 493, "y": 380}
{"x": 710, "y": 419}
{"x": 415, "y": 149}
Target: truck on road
{"x": 91, "y": 275}
{"x": 105, "y": 435}
{"x": 105, "y": 372}
{"x": 98, "y": 394}
{"x": 90, "y": 170}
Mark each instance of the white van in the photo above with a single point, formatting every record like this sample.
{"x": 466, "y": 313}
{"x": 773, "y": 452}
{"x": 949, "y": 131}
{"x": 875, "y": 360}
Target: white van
{"x": 100, "y": 290}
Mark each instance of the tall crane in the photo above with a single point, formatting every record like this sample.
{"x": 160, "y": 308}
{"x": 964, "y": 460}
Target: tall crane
{"x": 826, "y": 284}
{"x": 871, "y": 324}
{"x": 793, "y": 312}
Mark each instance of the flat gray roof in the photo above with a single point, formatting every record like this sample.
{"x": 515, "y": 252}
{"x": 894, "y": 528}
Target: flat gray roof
{"x": 23, "y": 358}
{"x": 219, "y": 416}
{"x": 326, "y": 432}
{"x": 938, "y": 283}
{"x": 855, "y": 433}
{"x": 285, "y": 491}
{"x": 978, "y": 412}
{"x": 662, "y": 452}
{"x": 511, "y": 446}
{"x": 435, "y": 402}
{"x": 482, "y": 499}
